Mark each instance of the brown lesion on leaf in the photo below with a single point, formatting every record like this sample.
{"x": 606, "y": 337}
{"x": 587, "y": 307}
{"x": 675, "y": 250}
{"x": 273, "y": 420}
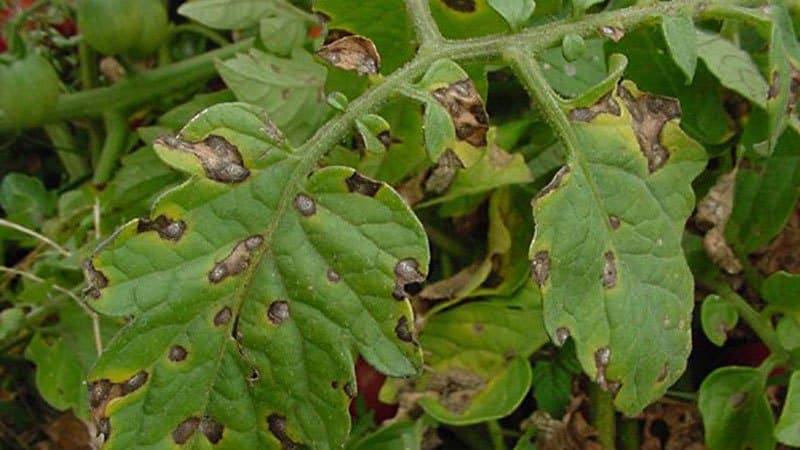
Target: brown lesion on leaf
{"x": 663, "y": 374}
{"x": 185, "y": 430}
{"x": 209, "y": 427}
{"x": 355, "y": 53}
{"x": 553, "y": 184}
{"x": 650, "y": 113}
{"x": 406, "y": 272}
{"x": 350, "y": 390}
{"x": 602, "y": 358}
{"x": 540, "y": 267}
{"x": 277, "y": 426}
{"x": 713, "y": 212}
{"x": 278, "y": 312}
{"x": 403, "y": 330}
{"x": 362, "y": 185}
{"x": 220, "y": 159}
{"x": 609, "y": 270}
{"x": 104, "y": 391}
{"x": 223, "y": 316}
{"x": 333, "y": 276}
{"x": 562, "y": 334}
{"x": 612, "y": 32}
{"x": 775, "y": 85}
{"x": 441, "y": 177}
{"x": 168, "y": 229}
{"x": 95, "y": 278}
{"x": 177, "y": 353}
{"x": 456, "y": 388}
{"x": 614, "y": 222}
{"x": 305, "y": 205}
{"x": 606, "y": 105}
{"x": 738, "y": 399}
{"x": 466, "y": 109}
{"x": 237, "y": 260}
{"x": 464, "y": 6}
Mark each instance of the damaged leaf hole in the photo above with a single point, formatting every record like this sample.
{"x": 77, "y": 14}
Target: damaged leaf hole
{"x": 278, "y": 312}
{"x": 305, "y": 205}
{"x": 209, "y": 427}
{"x": 406, "y": 272}
{"x": 277, "y": 426}
{"x": 362, "y": 185}
{"x": 650, "y": 114}
{"x": 237, "y": 261}
{"x": 223, "y": 316}
{"x": 95, "y": 278}
{"x": 168, "y": 229}
{"x": 609, "y": 271}
{"x": 465, "y": 106}
{"x": 254, "y": 375}
{"x": 220, "y": 159}
{"x": 540, "y": 267}
{"x": 177, "y": 353}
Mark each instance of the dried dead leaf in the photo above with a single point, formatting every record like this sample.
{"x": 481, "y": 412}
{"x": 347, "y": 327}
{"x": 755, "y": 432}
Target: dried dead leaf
{"x": 465, "y": 106}
{"x": 784, "y": 252}
{"x": 672, "y": 425}
{"x": 356, "y": 53}
{"x": 713, "y": 211}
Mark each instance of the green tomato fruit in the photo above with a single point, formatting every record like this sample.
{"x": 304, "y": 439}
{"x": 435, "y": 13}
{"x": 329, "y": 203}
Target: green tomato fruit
{"x": 573, "y": 47}
{"x": 129, "y": 27}
{"x": 29, "y": 90}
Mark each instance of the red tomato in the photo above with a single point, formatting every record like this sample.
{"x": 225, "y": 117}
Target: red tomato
{"x": 369, "y": 383}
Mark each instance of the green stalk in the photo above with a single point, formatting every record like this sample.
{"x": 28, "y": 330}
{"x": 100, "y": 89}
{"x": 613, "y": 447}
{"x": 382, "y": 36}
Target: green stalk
{"x": 496, "y": 435}
{"x": 116, "y": 124}
{"x": 629, "y": 434}
{"x": 602, "y": 416}
{"x": 61, "y": 137}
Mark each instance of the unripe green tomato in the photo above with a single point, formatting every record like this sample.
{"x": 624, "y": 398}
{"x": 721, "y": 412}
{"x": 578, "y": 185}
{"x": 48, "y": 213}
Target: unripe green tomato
{"x": 573, "y": 47}
{"x": 129, "y": 27}
{"x": 29, "y": 90}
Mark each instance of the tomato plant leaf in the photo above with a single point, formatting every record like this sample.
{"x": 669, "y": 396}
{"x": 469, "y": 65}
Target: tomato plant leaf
{"x": 464, "y": 19}
{"x": 252, "y": 290}
{"x": 291, "y": 91}
{"x": 281, "y": 35}
{"x": 736, "y": 414}
{"x": 228, "y": 14}
{"x": 596, "y": 256}
{"x": 404, "y": 435}
{"x": 733, "y": 67}
{"x": 479, "y": 356}
{"x": 516, "y": 12}
{"x": 680, "y": 36}
{"x": 718, "y": 317}
{"x": 782, "y": 290}
{"x": 787, "y": 430}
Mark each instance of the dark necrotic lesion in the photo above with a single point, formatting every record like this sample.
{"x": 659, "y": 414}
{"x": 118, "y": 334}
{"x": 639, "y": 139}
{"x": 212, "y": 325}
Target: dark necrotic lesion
{"x": 466, "y": 6}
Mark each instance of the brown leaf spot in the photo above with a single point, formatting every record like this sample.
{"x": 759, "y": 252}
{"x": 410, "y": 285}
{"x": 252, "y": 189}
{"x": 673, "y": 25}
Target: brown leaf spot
{"x": 477, "y": 328}
{"x": 333, "y": 276}
{"x": 553, "y": 184}
{"x": 96, "y": 279}
{"x": 540, "y": 267}
{"x": 609, "y": 271}
{"x": 562, "y": 334}
{"x": 613, "y": 222}
{"x": 237, "y": 260}
{"x": 356, "y": 53}
{"x": 663, "y": 374}
{"x": 168, "y": 229}
{"x": 403, "y": 330}
{"x": 254, "y": 376}
{"x": 135, "y": 382}
{"x": 334, "y": 384}
{"x": 406, "y": 272}
{"x": 185, "y": 430}
{"x": 606, "y": 105}
{"x": 102, "y": 392}
{"x": 362, "y": 185}
{"x": 350, "y": 390}
{"x": 612, "y": 32}
{"x": 211, "y": 429}
{"x": 177, "y": 353}
{"x": 466, "y": 109}
{"x": 305, "y": 205}
{"x": 775, "y": 86}
{"x": 456, "y": 388}
{"x": 104, "y": 428}
{"x": 220, "y": 159}
{"x": 277, "y": 426}
{"x": 278, "y": 312}
{"x": 650, "y": 113}
{"x": 464, "y": 6}
{"x": 602, "y": 357}
{"x": 223, "y": 316}
{"x": 441, "y": 177}
{"x": 738, "y": 399}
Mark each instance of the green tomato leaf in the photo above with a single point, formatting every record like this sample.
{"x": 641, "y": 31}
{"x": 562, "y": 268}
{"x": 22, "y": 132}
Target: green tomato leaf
{"x": 405, "y": 435}
{"x": 438, "y": 129}
{"x": 281, "y": 35}
{"x": 571, "y": 79}
{"x": 765, "y": 195}
{"x": 291, "y": 91}
{"x": 788, "y": 428}
{"x": 733, "y": 67}
{"x": 552, "y": 381}
{"x": 718, "y": 317}
{"x": 596, "y": 255}
{"x": 788, "y": 331}
{"x": 229, "y": 14}
{"x": 736, "y": 414}
{"x": 252, "y": 289}
{"x": 384, "y": 22}
{"x": 375, "y": 133}
{"x": 681, "y": 40}
{"x": 464, "y": 19}
{"x": 479, "y": 356}
{"x": 11, "y": 322}
{"x": 782, "y": 291}
{"x": 516, "y": 12}
{"x": 26, "y": 201}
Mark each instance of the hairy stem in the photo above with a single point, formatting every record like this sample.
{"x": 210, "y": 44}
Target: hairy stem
{"x": 427, "y": 31}
{"x": 603, "y": 416}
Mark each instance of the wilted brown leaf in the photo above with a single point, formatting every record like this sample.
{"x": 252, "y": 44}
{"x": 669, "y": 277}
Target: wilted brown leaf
{"x": 355, "y": 53}
{"x": 713, "y": 211}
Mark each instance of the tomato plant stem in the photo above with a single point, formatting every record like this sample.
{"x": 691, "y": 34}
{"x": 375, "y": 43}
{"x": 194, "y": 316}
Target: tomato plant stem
{"x": 629, "y": 434}
{"x": 67, "y": 150}
{"x": 427, "y": 31}
{"x": 603, "y": 416}
{"x": 496, "y": 434}
{"x": 116, "y": 124}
